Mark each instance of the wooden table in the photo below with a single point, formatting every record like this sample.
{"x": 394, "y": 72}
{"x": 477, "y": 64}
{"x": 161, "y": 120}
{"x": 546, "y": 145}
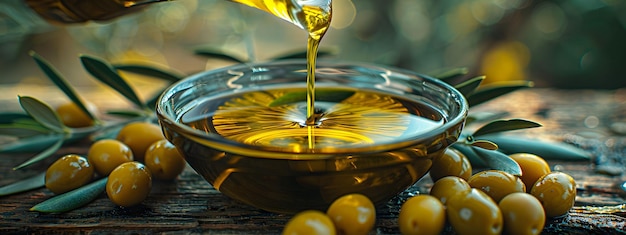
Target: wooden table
{"x": 191, "y": 205}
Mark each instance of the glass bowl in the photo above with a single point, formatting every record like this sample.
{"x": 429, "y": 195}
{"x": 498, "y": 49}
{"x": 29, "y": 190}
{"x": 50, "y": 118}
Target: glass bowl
{"x": 275, "y": 173}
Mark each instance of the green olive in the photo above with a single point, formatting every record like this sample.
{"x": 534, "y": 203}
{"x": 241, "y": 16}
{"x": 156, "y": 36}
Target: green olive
{"x": 67, "y": 173}
{"x": 557, "y": 193}
{"x": 448, "y": 187}
{"x": 523, "y": 214}
{"x": 352, "y": 214}
{"x": 496, "y": 184}
{"x": 107, "y": 154}
{"x": 422, "y": 214}
{"x": 129, "y": 184}
{"x": 164, "y": 160}
{"x": 72, "y": 116}
{"x": 533, "y": 167}
{"x": 451, "y": 163}
{"x": 309, "y": 222}
{"x": 139, "y": 136}
{"x": 474, "y": 213}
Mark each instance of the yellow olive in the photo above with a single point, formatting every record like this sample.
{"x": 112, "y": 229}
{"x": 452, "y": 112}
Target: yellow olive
{"x": 523, "y": 214}
{"x": 105, "y": 155}
{"x": 72, "y": 116}
{"x": 474, "y": 213}
{"x": 448, "y": 187}
{"x": 422, "y": 214}
{"x": 557, "y": 193}
{"x": 139, "y": 136}
{"x": 451, "y": 163}
{"x": 164, "y": 160}
{"x": 129, "y": 184}
{"x": 352, "y": 214}
{"x": 533, "y": 167}
{"x": 67, "y": 173}
{"x": 309, "y": 222}
{"x": 496, "y": 184}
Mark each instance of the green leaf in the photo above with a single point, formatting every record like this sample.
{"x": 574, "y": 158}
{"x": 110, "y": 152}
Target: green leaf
{"x": 30, "y": 144}
{"x": 34, "y": 182}
{"x": 60, "y": 82}
{"x": 162, "y": 73}
{"x": 126, "y": 113}
{"x": 302, "y": 54}
{"x": 11, "y": 117}
{"x": 21, "y": 131}
{"x": 498, "y": 161}
{"x": 467, "y": 87}
{"x": 29, "y": 122}
{"x": 109, "y": 76}
{"x": 505, "y": 125}
{"x": 43, "y": 155}
{"x": 42, "y": 113}
{"x": 323, "y": 94}
{"x": 72, "y": 199}
{"x": 549, "y": 150}
{"x": 489, "y": 92}
{"x": 449, "y": 75}
{"x": 218, "y": 55}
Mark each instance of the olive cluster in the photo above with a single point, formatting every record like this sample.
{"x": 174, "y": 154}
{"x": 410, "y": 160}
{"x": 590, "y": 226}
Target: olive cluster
{"x": 138, "y": 154}
{"x": 351, "y": 214}
{"x": 490, "y": 201}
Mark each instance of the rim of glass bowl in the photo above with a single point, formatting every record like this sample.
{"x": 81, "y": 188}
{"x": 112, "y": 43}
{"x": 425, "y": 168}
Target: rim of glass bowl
{"x": 166, "y": 111}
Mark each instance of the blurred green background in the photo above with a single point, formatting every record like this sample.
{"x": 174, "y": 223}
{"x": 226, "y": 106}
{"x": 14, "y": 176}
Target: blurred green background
{"x": 555, "y": 43}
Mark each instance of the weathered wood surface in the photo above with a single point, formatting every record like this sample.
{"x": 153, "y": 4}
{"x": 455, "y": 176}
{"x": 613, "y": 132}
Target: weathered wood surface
{"x": 189, "y": 205}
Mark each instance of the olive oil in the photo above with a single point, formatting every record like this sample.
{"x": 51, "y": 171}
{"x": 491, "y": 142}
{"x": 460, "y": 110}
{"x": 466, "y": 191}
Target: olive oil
{"x": 356, "y": 118}
{"x": 314, "y": 16}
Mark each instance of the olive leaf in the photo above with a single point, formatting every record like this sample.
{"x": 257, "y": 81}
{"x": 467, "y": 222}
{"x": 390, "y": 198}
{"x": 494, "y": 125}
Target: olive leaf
{"x": 12, "y": 117}
{"x": 42, "y": 155}
{"x": 549, "y": 150}
{"x": 492, "y": 159}
{"x": 20, "y": 130}
{"x": 162, "y": 73}
{"x": 468, "y": 87}
{"x": 303, "y": 54}
{"x": 72, "y": 199}
{"x": 505, "y": 125}
{"x": 449, "y": 75}
{"x": 30, "y": 144}
{"x": 42, "y": 113}
{"x": 109, "y": 76}
{"x": 498, "y": 161}
{"x": 322, "y": 94}
{"x": 125, "y": 113}
{"x": 488, "y": 92}
{"x": 62, "y": 84}
{"x": 218, "y": 55}
{"x": 33, "y": 182}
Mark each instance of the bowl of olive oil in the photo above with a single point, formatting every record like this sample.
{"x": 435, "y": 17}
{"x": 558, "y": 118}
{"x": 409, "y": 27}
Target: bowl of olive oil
{"x": 259, "y": 135}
